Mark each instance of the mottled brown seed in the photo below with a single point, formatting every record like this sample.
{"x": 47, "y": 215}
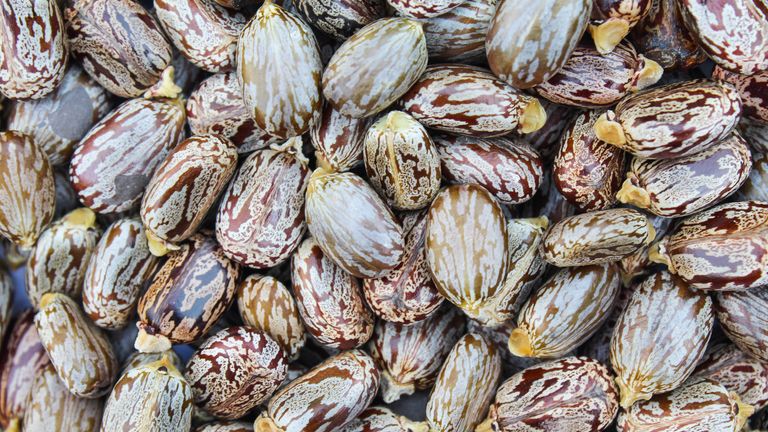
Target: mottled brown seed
{"x": 686, "y": 185}
{"x": 465, "y": 385}
{"x": 753, "y": 90}
{"x": 260, "y": 220}
{"x": 57, "y": 122}
{"x": 744, "y": 318}
{"x": 755, "y": 188}
{"x": 459, "y": 34}
{"x": 59, "y": 259}
{"x": 116, "y": 273}
{"x": 598, "y": 347}
{"x": 582, "y": 298}
{"x": 340, "y": 19}
{"x": 409, "y": 356}
{"x": 375, "y": 66}
{"x": 466, "y": 246}
{"x": 527, "y": 43}
{"x": 659, "y": 338}
{"x": 611, "y": 21}
{"x": 34, "y": 54}
{"x": 329, "y": 299}
{"x": 187, "y": 296}
{"x": 639, "y": 263}
{"x": 402, "y": 162}
{"x": 381, "y": 419}
{"x": 267, "y": 305}
{"x": 661, "y": 36}
{"x": 80, "y": 351}
{"x": 27, "y": 191}
{"x": 672, "y": 121}
{"x": 284, "y": 104}
{"x": 338, "y": 139}
{"x": 737, "y": 372}
{"x": 406, "y": 294}
{"x": 337, "y": 204}
{"x": 469, "y": 100}
{"x": 423, "y": 8}
{"x": 329, "y": 396}
{"x": 587, "y": 171}
{"x": 575, "y": 394}
{"x": 118, "y": 43}
{"x": 597, "y": 237}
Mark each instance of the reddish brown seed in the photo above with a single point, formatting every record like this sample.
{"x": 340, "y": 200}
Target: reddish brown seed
{"x": 469, "y": 100}
{"x": 340, "y": 19}
{"x": 744, "y": 318}
{"x": 507, "y": 168}
{"x": 588, "y": 171}
{"x": 406, "y": 294}
{"x": 338, "y": 139}
{"x": 234, "y": 371}
{"x": 329, "y": 299}
{"x": 409, "y": 356}
{"x": 756, "y": 186}
{"x": 737, "y": 372}
{"x": 459, "y": 34}
{"x": 611, "y": 21}
{"x": 21, "y": 359}
{"x": 753, "y": 90}
{"x": 216, "y": 106}
{"x": 381, "y": 419}
{"x": 187, "y": 296}
{"x": 546, "y": 141}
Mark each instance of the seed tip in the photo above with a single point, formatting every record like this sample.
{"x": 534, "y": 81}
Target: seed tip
{"x": 649, "y": 75}
{"x": 265, "y": 424}
{"x": 609, "y": 130}
{"x": 633, "y": 195}
{"x": 151, "y": 343}
{"x": 745, "y": 410}
{"x": 81, "y": 217}
{"x": 485, "y": 426}
{"x": 534, "y": 117}
{"x": 608, "y": 34}
{"x": 520, "y": 344}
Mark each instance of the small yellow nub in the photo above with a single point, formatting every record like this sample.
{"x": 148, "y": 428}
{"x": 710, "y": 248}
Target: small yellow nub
{"x": 608, "y": 34}
{"x": 633, "y": 195}
{"x": 658, "y": 254}
{"x": 651, "y": 232}
{"x": 13, "y": 425}
{"x": 392, "y": 390}
{"x": 534, "y": 117}
{"x": 520, "y": 343}
{"x": 157, "y": 246}
{"x": 630, "y": 396}
{"x": 649, "y": 75}
{"x": 609, "y": 131}
{"x": 744, "y": 411}
{"x": 292, "y": 146}
{"x": 541, "y": 222}
{"x": 165, "y": 88}
{"x": 47, "y": 298}
{"x": 82, "y": 217}
{"x": 485, "y": 426}
{"x": 265, "y": 424}
{"x": 148, "y": 343}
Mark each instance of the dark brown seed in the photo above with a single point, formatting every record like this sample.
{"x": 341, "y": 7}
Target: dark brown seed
{"x": 753, "y": 90}
{"x": 338, "y": 140}
{"x": 459, "y": 34}
{"x": 340, "y": 19}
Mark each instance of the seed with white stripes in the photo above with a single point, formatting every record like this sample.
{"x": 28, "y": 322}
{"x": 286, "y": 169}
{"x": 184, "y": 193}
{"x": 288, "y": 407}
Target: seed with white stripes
{"x": 738, "y": 372}
{"x": 459, "y": 34}
{"x": 744, "y": 318}
{"x": 340, "y": 19}
{"x": 338, "y": 139}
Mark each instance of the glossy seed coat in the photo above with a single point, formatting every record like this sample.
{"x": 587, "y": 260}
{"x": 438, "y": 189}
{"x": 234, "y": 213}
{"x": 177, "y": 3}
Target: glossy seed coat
{"x": 660, "y": 337}
{"x": 340, "y": 19}
{"x": 737, "y": 372}
{"x": 80, "y": 351}
{"x": 284, "y": 104}
{"x": 375, "y": 66}
{"x": 611, "y": 21}
{"x": 267, "y": 305}
{"x": 409, "y": 356}
{"x": 459, "y": 34}
{"x": 743, "y": 317}
{"x": 753, "y": 90}
{"x": 338, "y": 139}
{"x": 423, "y": 8}
{"x": 116, "y": 274}
{"x": 27, "y": 194}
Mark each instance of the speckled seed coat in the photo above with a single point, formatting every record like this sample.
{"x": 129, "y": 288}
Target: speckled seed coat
{"x": 57, "y": 122}
{"x": 340, "y": 19}
{"x": 672, "y": 121}
{"x": 590, "y": 80}
{"x": 401, "y": 161}
{"x": 185, "y": 186}
{"x": 575, "y": 394}
{"x": 731, "y": 33}
{"x": 151, "y": 398}
{"x": 660, "y": 337}
{"x": 188, "y": 294}
{"x": 138, "y": 359}
{"x": 465, "y": 385}
{"x": 753, "y": 90}
{"x": 756, "y": 134}
{"x": 118, "y": 43}
{"x": 598, "y": 347}
{"x": 80, "y": 351}
{"x": 234, "y": 371}
{"x": 698, "y": 406}
{"x": 216, "y": 107}
{"x": 737, "y": 372}
{"x": 524, "y": 271}
{"x": 466, "y": 246}
{"x": 527, "y": 43}
{"x": 33, "y": 57}
{"x": 683, "y": 186}
{"x": 375, "y": 66}
{"x": 721, "y": 248}
{"x": 587, "y": 171}
{"x": 267, "y": 305}
{"x": 53, "y": 408}
{"x": 338, "y": 139}
{"x": 118, "y": 270}
{"x": 611, "y": 21}
{"x": 459, "y": 34}
{"x": 329, "y": 299}
{"x": 423, "y": 8}
{"x": 261, "y": 215}
{"x": 406, "y": 294}
{"x": 409, "y": 356}
{"x": 744, "y": 318}
{"x": 639, "y": 263}
{"x": 284, "y": 104}
{"x": 114, "y": 162}
{"x": 469, "y": 100}
{"x": 662, "y": 37}
{"x": 597, "y": 237}
{"x": 565, "y": 311}
{"x": 226, "y": 426}
{"x": 58, "y": 261}
{"x": 27, "y": 194}
{"x": 336, "y": 205}
{"x": 381, "y": 419}
{"x": 755, "y": 188}
{"x": 507, "y": 168}
{"x": 6, "y": 301}
{"x": 22, "y": 358}
{"x": 204, "y": 32}
{"x": 329, "y": 396}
